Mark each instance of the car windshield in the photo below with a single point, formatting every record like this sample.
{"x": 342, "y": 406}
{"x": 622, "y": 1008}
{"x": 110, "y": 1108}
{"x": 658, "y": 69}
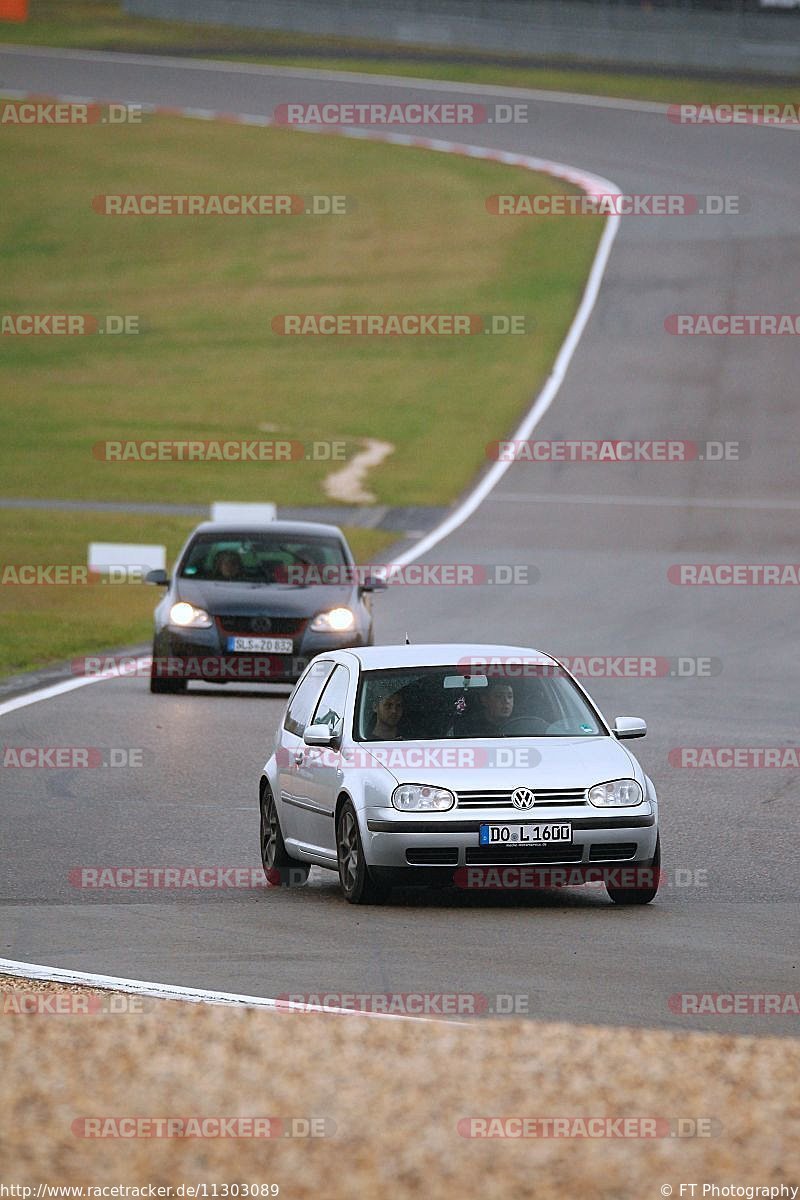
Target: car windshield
{"x": 442, "y": 703}
{"x": 261, "y": 558}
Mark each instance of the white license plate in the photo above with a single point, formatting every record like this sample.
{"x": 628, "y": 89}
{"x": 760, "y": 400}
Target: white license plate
{"x": 260, "y": 645}
{"x": 525, "y": 835}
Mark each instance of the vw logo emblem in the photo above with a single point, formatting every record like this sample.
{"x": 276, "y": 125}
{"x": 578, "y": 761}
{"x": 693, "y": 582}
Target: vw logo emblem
{"x": 261, "y": 624}
{"x": 523, "y": 797}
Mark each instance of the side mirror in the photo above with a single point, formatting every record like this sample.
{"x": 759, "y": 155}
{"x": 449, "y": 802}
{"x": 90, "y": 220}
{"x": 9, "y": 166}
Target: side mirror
{"x": 320, "y": 735}
{"x": 158, "y": 576}
{"x": 374, "y": 583}
{"x": 629, "y": 727}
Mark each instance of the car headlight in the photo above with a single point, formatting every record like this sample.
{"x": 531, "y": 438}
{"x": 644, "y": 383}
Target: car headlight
{"x": 188, "y": 617}
{"x": 338, "y": 620}
{"x": 619, "y": 793}
{"x": 417, "y": 797}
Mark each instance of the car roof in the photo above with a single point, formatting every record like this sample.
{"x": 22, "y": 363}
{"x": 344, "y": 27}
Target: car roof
{"x": 280, "y": 527}
{"x": 439, "y": 654}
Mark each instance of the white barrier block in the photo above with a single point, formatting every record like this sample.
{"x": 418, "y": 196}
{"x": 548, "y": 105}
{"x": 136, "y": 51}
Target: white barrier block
{"x": 104, "y": 557}
{"x": 247, "y": 514}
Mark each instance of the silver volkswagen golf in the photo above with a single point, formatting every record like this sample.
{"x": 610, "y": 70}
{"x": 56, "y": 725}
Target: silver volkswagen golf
{"x": 473, "y": 765}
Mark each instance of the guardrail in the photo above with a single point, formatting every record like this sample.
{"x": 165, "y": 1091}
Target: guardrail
{"x": 680, "y": 35}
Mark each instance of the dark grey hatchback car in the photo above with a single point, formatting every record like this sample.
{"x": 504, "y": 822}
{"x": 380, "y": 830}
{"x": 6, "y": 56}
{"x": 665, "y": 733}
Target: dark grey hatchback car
{"x": 253, "y": 603}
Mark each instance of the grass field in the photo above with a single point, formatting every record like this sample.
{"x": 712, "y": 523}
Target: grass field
{"x": 205, "y": 290}
{"x": 206, "y": 363}
{"x": 44, "y": 623}
{"x": 101, "y": 25}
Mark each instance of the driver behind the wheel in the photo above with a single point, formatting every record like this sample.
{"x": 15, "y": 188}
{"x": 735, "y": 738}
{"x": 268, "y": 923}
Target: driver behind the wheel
{"x": 495, "y": 707}
{"x": 387, "y": 709}
{"x": 227, "y": 565}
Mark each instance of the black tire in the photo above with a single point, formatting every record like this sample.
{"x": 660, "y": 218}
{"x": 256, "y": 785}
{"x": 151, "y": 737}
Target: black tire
{"x": 161, "y": 685}
{"x": 358, "y": 885}
{"x": 167, "y": 686}
{"x": 640, "y": 895}
{"x": 280, "y": 868}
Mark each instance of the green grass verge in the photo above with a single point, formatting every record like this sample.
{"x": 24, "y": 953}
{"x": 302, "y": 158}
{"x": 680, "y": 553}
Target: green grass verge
{"x": 42, "y": 624}
{"x": 205, "y": 289}
{"x": 102, "y": 25}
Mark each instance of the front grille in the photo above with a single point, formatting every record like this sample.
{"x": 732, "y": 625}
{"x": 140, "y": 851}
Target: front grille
{"x": 484, "y": 856}
{"x": 254, "y": 625}
{"x": 433, "y": 856}
{"x": 610, "y": 851}
{"x": 544, "y": 796}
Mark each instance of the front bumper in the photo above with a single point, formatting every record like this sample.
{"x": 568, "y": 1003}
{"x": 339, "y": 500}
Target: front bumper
{"x": 600, "y": 839}
{"x": 201, "y": 654}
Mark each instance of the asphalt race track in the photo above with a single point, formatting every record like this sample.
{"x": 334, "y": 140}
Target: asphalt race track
{"x": 601, "y": 537}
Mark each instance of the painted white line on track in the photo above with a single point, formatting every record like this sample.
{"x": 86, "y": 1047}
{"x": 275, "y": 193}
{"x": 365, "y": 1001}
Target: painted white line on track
{"x": 374, "y": 79}
{"x": 170, "y": 991}
{"x": 69, "y": 685}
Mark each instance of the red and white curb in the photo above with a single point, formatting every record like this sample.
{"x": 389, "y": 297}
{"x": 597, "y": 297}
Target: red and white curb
{"x": 589, "y": 183}
{"x": 593, "y": 185}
